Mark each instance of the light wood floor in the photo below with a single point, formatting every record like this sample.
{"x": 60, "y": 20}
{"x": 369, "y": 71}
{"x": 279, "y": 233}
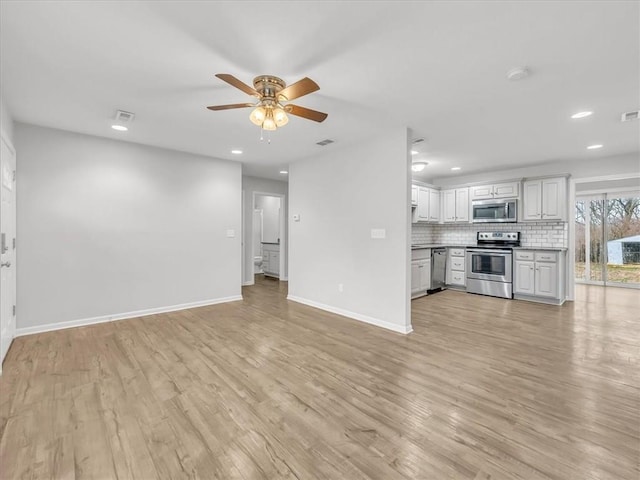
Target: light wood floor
{"x": 264, "y": 388}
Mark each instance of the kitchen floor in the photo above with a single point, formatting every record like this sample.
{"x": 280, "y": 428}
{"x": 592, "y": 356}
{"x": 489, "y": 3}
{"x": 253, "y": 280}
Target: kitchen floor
{"x": 484, "y": 388}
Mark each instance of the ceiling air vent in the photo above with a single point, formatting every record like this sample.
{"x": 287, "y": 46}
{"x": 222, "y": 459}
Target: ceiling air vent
{"x": 124, "y": 118}
{"x": 324, "y": 142}
{"x": 628, "y": 116}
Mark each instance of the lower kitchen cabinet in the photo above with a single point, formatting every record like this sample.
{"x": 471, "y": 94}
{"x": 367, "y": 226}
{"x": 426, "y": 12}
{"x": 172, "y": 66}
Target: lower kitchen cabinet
{"x": 456, "y": 273}
{"x": 539, "y": 276}
{"x": 420, "y": 272}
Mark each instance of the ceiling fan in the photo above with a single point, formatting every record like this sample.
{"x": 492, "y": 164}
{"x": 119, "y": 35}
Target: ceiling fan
{"x": 271, "y": 109}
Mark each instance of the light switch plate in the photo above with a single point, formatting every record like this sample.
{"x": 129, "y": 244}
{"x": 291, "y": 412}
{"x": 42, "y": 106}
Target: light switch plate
{"x": 296, "y": 217}
{"x": 378, "y": 233}
{"x": 231, "y": 233}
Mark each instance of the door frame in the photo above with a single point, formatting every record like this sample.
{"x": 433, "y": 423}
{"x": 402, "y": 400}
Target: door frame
{"x": 282, "y": 232}
{"x": 570, "y": 280}
{"x": 5, "y": 138}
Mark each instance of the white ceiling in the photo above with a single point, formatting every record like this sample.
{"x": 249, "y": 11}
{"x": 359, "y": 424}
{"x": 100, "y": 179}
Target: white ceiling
{"x": 436, "y": 67}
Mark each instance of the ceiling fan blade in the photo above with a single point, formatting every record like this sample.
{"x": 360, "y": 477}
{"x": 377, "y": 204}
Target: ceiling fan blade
{"x": 233, "y": 81}
{"x": 305, "y": 113}
{"x": 298, "y": 89}
{"x": 228, "y": 107}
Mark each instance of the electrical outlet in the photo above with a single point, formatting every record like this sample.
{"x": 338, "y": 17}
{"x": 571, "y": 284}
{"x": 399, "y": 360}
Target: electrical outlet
{"x": 341, "y": 287}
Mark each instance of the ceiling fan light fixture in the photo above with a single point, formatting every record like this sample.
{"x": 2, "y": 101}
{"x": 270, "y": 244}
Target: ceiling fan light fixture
{"x": 269, "y": 123}
{"x": 280, "y": 117}
{"x": 258, "y": 115}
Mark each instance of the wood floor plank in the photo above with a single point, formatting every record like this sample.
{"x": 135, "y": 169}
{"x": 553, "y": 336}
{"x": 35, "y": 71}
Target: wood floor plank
{"x": 483, "y": 388}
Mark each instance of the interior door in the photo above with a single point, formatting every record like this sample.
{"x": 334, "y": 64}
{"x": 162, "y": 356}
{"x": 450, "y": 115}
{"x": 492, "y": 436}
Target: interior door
{"x": 7, "y": 247}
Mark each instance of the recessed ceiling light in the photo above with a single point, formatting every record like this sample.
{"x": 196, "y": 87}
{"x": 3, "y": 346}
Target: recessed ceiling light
{"x": 283, "y": 172}
{"x": 418, "y": 166}
{"x": 581, "y": 114}
{"x": 594, "y": 147}
{"x": 236, "y": 152}
{"x": 455, "y": 168}
{"x": 414, "y": 152}
{"x": 120, "y": 128}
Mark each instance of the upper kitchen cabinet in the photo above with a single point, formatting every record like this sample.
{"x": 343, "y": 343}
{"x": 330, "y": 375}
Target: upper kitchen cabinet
{"x": 414, "y": 195}
{"x": 428, "y": 207}
{"x": 455, "y": 205}
{"x": 497, "y": 190}
{"x": 545, "y": 199}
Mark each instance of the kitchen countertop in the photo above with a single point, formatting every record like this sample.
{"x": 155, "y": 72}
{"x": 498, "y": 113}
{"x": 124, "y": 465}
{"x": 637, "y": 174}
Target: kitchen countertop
{"x": 437, "y": 245}
{"x": 543, "y": 249}
{"x": 440, "y": 245}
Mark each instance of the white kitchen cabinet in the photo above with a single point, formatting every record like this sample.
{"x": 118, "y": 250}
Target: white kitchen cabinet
{"x": 449, "y": 205}
{"x": 271, "y": 260}
{"x": 455, "y": 205}
{"x": 434, "y": 205}
{"x": 546, "y": 280}
{"x": 498, "y": 190}
{"x": 545, "y": 199}
{"x": 428, "y": 207}
{"x": 420, "y": 272}
{"x": 414, "y": 195}
{"x": 524, "y": 281}
{"x": 420, "y": 277}
{"x": 462, "y": 205}
{"x": 456, "y": 274}
{"x": 539, "y": 276}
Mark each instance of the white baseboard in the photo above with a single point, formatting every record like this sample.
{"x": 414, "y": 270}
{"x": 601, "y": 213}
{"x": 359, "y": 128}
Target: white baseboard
{"x": 356, "y": 316}
{"x": 249, "y": 283}
{"x": 121, "y": 316}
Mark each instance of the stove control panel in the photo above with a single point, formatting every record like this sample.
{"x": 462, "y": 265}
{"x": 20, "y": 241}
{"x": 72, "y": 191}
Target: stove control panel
{"x": 508, "y": 236}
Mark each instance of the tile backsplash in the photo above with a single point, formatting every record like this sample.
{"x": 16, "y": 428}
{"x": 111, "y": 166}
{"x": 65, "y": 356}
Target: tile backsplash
{"x": 533, "y": 234}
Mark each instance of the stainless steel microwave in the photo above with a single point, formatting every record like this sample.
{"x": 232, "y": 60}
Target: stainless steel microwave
{"x": 495, "y": 211}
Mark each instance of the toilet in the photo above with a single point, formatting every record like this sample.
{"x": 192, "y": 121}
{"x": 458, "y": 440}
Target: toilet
{"x": 257, "y": 264}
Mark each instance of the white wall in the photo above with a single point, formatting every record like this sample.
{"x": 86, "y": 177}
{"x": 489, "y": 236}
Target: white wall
{"x": 263, "y": 185}
{"x": 340, "y": 196}
{"x": 6, "y": 120}
{"x": 107, "y": 228}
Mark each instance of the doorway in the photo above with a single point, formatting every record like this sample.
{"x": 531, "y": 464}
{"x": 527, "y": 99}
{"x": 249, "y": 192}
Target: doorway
{"x": 7, "y": 246}
{"x": 268, "y": 241}
{"x": 607, "y": 237}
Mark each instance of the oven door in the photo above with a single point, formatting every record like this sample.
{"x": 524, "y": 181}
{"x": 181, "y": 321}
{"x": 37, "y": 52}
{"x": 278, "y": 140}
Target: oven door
{"x": 494, "y": 265}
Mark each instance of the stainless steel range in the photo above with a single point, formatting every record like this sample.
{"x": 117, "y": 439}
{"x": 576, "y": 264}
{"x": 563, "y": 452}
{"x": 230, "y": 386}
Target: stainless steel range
{"x": 490, "y": 264}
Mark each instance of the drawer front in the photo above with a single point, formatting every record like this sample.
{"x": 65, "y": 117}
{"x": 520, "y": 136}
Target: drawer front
{"x": 457, "y": 278}
{"x": 524, "y": 255}
{"x": 457, "y": 263}
{"x": 456, "y": 252}
{"x": 546, "y": 257}
{"x": 421, "y": 253}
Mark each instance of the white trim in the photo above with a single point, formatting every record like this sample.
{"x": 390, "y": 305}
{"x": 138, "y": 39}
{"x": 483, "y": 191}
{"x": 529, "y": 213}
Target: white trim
{"x": 282, "y": 229}
{"x": 121, "y": 316}
{"x": 249, "y": 283}
{"x": 356, "y": 316}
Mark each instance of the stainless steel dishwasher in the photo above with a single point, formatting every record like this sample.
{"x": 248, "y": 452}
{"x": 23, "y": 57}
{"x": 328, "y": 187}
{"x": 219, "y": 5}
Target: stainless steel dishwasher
{"x": 438, "y": 268}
